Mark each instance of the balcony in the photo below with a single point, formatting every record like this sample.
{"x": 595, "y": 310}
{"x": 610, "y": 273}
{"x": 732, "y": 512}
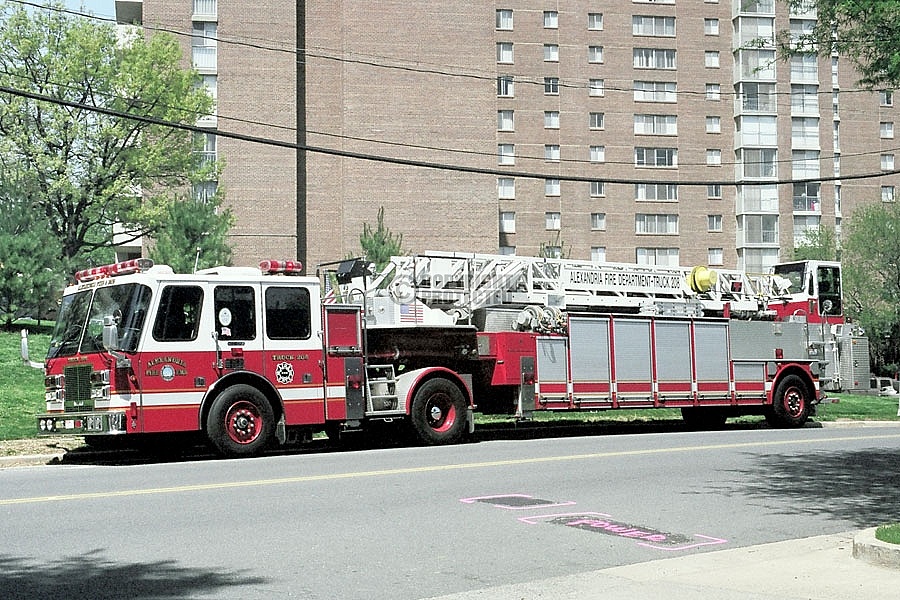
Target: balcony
{"x": 810, "y": 204}
{"x": 204, "y": 58}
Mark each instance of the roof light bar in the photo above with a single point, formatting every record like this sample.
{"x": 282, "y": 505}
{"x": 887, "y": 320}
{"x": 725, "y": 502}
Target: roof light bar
{"x": 284, "y": 267}
{"x": 127, "y": 267}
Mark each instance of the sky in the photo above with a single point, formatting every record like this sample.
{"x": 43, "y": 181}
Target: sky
{"x": 101, "y": 8}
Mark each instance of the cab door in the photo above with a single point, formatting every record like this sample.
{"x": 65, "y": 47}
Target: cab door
{"x": 236, "y": 328}
{"x": 293, "y": 349}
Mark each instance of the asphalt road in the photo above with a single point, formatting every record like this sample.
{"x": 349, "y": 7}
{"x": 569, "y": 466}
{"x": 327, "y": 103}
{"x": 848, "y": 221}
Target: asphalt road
{"x": 410, "y": 523}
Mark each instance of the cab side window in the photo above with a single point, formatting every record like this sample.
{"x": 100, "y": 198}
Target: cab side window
{"x": 235, "y": 307}
{"x": 287, "y": 313}
{"x": 178, "y": 318}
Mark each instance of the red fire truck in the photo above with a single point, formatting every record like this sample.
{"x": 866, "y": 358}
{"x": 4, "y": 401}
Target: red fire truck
{"x": 246, "y": 356}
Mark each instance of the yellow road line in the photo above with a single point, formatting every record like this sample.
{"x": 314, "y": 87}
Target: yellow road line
{"x": 423, "y": 469}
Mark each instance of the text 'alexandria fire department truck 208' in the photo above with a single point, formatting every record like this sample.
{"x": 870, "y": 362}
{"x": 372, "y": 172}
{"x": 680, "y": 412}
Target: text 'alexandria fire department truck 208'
{"x": 246, "y": 356}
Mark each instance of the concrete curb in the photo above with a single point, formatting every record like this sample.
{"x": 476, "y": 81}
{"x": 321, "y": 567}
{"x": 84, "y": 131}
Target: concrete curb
{"x": 25, "y": 460}
{"x": 874, "y": 551}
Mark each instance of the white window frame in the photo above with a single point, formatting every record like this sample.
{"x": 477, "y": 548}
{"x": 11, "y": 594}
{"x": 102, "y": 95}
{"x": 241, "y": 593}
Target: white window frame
{"x": 655, "y": 58}
{"x": 595, "y": 54}
{"x": 715, "y": 256}
{"x": 655, "y": 91}
{"x": 552, "y": 221}
{"x": 598, "y": 254}
{"x": 551, "y": 86}
{"x": 711, "y": 26}
{"x": 886, "y": 130}
{"x": 598, "y": 221}
{"x": 655, "y": 157}
{"x": 506, "y": 154}
{"x": 551, "y": 19}
{"x": 551, "y": 52}
{"x": 504, "y": 19}
{"x": 552, "y": 187}
{"x": 656, "y": 224}
{"x": 596, "y": 120}
{"x": 551, "y": 152}
{"x": 551, "y": 119}
{"x": 887, "y": 193}
{"x": 655, "y": 192}
{"x": 598, "y": 189}
{"x": 713, "y": 92}
{"x": 887, "y": 162}
{"x": 505, "y": 53}
{"x": 596, "y": 87}
{"x": 597, "y": 154}
{"x": 505, "y": 86}
{"x": 595, "y": 21}
{"x": 714, "y": 223}
{"x": 506, "y": 188}
{"x": 507, "y": 221}
{"x": 506, "y": 120}
{"x": 713, "y": 124}
{"x": 714, "y": 157}
{"x": 711, "y": 59}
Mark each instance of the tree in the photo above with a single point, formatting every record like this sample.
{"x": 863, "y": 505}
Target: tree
{"x": 194, "y": 236}
{"x": 380, "y": 244}
{"x": 555, "y": 248}
{"x": 30, "y": 272}
{"x": 871, "y": 257}
{"x": 94, "y": 169}
{"x": 866, "y": 32}
{"x": 819, "y": 244}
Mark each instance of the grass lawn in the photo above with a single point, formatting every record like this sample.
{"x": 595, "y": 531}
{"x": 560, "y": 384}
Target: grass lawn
{"x": 22, "y": 396}
{"x": 21, "y": 387}
{"x": 889, "y": 533}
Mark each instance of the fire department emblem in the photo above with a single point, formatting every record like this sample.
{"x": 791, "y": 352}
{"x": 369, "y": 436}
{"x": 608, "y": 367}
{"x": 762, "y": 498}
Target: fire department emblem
{"x": 284, "y": 373}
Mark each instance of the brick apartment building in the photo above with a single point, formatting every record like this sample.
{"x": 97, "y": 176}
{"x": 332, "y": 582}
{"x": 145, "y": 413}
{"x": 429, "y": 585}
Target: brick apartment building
{"x": 610, "y": 130}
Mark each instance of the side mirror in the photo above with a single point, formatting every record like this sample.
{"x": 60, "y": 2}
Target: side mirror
{"x": 110, "y": 334}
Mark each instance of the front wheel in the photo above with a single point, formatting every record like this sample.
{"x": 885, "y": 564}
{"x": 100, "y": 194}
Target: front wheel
{"x": 240, "y": 421}
{"x": 438, "y": 413}
{"x": 792, "y": 403}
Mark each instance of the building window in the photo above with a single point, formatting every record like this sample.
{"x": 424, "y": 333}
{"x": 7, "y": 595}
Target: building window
{"x": 886, "y": 98}
{"x": 656, "y": 192}
{"x": 598, "y": 253}
{"x": 711, "y": 59}
{"x": 887, "y": 162}
{"x": 552, "y": 220}
{"x": 507, "y": 222}
{"x": 804, "y": 164}
{"x": 714, "y": 223}
{"x": 551, "y": 187}
{"x": 595, "y": 21}
{"x": 551, "y": 85}
{"x": 203, "y": 46}
{"x": 551, "y": 52}
{"x": 886, "y": 129}
{"x": 551, "y": 19}
{"x": 505, "y": 120}
{"x": 653, "y": 26}
{"x": 598, "y": 221}
{"x": 711, "y": 26}
{"x": 598, "y": 154}
{"x": 758, "y": 162}
{"x": 887, "y": 193}
{"x": 713, "y": 91}
{"x": 656, "y": 224}
{"x": 664, "y": 257}
{"x": 505, "y": 52}
{"x": 596, "y": 87}
{"x": 595, "y": 54}
{"x": 505, "y": 86}
{"x": 596, "y": 120}
{"x": 507, "y": 250}
{"x": 806, "y": 197}
{"x": 506, "y": 188}
{"x": 758, "y": 229}
{"x": 551, "y": 152}
{"x": 714, "y": 191}
{"x": 551, "y": 119}
{"x": 504, "y": 19}
{"x": 655, "y": 157}
{"x": 653, "y": 58}
{"x": 654, "y": 91}
{"x": 506, "y": 154}
{"x": 598, "y": 189}
{"x": 713, "y": 124}
{"x": 715, "y": 256}
{"x": 758, "y": 130}
{"x": 713, "y": 157}
{"x": 655, "y": 125}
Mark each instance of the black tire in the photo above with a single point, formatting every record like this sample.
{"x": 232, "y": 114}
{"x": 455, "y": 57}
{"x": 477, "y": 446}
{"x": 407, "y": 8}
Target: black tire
{"x": 703, "y": 418}
{"x": 791, "y": 403}
{"x": 438, "y": 413}
{"x": 240, "y": 421}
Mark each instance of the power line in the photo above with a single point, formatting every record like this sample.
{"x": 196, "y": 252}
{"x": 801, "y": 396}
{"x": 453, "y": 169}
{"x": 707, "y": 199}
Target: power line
{"x": 425, "y": 164}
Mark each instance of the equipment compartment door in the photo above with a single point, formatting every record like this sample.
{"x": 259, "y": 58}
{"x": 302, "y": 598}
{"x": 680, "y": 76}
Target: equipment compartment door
{"x": 589, "y": 340}
{"x": 552, "y": 372}
{"x": 344, "y": 376}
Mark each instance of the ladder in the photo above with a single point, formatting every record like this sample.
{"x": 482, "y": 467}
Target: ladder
{"x": 460, "y": 283}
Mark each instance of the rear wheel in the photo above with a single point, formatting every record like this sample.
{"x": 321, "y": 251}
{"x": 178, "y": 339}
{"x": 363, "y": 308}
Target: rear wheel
{"x": 438, "y": 413}
{"x": 240, "y": 421}
{"x": 792, "y": 403}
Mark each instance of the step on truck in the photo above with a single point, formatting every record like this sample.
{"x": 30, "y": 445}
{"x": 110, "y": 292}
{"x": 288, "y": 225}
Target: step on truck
{"x": 251, "y": 356}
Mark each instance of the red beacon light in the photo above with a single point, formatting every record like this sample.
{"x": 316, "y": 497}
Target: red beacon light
{"x": 281, "y": 267}
{"x": 136, "y": 265}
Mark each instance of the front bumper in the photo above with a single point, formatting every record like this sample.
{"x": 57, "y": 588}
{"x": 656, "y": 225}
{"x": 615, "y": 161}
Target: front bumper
{"x": 86, "y": 423}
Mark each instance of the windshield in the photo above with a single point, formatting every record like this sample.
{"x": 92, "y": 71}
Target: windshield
{"x": 795, "y": 273}
{"x": 79, "y": 325}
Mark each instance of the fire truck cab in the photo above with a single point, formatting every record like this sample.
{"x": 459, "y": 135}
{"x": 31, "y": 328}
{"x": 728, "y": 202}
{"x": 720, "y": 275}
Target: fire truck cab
{"x": 242, "y": 354}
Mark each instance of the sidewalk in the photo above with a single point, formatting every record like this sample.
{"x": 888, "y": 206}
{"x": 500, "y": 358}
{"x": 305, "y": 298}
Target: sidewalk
{"x": 818, "y": 568}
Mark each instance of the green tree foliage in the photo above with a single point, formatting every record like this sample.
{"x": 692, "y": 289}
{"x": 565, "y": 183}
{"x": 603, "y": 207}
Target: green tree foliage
{"x": 380, "y": 244}
{"x": 93, "y": 169}
{"x": 194, "y": 235}
{"x": 865, "y": 31}
{"x": 871, "y": 259}
{"x": 555, "y": 248}
{"x": 819, "y": 244}
{"x": 30, "y": 272}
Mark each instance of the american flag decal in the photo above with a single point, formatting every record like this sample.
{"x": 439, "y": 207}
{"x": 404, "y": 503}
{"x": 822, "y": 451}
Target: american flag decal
{"x": 411, "y": 313}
